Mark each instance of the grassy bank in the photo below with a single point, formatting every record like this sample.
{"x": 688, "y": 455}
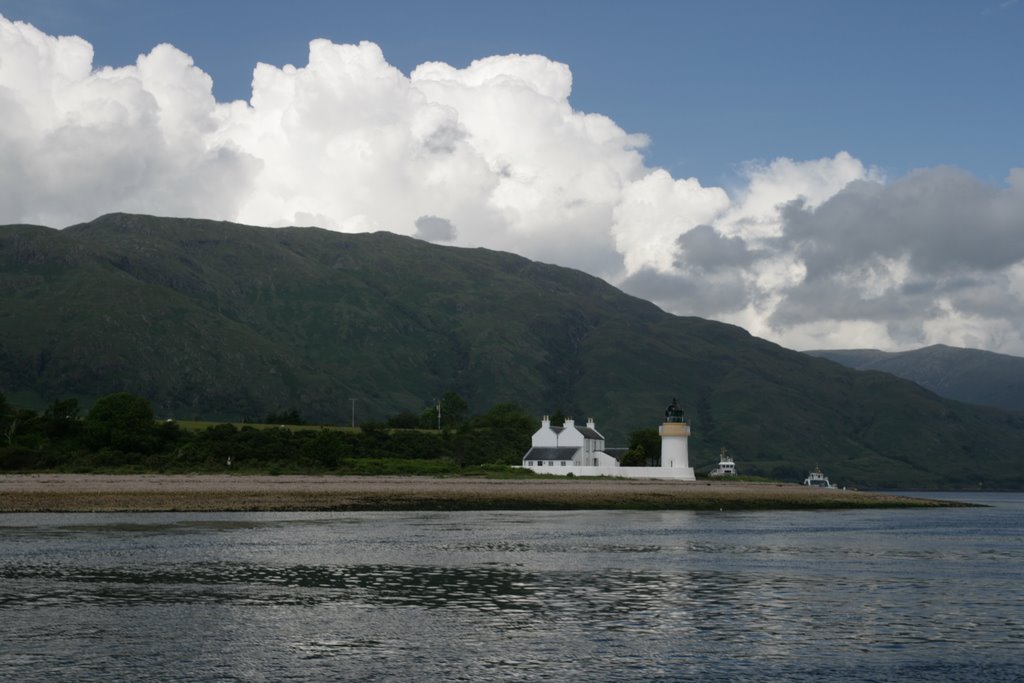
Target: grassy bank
{"x": 153, "y": 493}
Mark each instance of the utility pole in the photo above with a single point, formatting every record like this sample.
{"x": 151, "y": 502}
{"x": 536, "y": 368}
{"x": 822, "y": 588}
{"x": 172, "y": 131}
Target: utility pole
{"x": 353, "y": 412}
{"x": 438, "y": 414}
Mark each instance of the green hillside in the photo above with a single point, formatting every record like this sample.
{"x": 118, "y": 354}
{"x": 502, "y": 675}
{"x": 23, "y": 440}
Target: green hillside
{"x": 221, "y": 321}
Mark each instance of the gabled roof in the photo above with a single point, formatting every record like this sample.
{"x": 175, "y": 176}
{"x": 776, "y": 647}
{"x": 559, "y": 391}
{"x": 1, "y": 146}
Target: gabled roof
{"x": 550, "y": 453}
{"x": 617, "y": 453}
{"x": 589, "y": 433}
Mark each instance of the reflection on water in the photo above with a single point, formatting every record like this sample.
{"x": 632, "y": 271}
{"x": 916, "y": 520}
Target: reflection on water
{"x": 856, "y": 595}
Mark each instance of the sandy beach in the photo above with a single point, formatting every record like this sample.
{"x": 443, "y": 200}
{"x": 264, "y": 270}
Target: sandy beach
{"x": 205, "y": 492}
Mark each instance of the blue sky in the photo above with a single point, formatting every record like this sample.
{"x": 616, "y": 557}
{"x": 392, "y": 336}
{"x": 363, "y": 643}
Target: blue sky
{"x": 898, "y": 84}
{"x": 825, "y": 174}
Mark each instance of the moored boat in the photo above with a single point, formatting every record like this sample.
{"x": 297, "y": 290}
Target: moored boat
{"x": 816, "y": 478}
{"x": 726, "y": 466}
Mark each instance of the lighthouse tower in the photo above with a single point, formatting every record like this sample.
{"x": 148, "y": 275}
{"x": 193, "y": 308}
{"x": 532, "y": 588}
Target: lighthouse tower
{"x": 675, "y": 432}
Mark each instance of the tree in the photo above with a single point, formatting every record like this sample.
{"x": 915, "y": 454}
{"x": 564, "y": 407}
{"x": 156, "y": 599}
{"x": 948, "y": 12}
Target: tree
{"x": 404, "y": 421}
{"x": 428, "y": 418}
{"x": 123, "y": 422}
{"x": 501, "y": 435}
{"x": 168, "y": 433}
{"x": 454, "y": 410}
{"x": 635, "y": 457}
{"x": 8, "y": 424}
{"x": 558, "y": 417}
{"x": 288, "y": 417}
{"x": 649, "y": 439}
{"x": 61, "y": 417}
{"x": 507, "y": 416}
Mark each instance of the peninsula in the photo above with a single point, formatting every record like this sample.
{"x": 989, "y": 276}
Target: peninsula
{"x": 215, "y": 493}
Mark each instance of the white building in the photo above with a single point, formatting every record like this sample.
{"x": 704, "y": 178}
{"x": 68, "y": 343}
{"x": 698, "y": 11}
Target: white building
{"x": 581, "y": 451}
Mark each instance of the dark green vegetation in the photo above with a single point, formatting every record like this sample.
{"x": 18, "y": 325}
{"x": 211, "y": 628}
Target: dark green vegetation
{"x": 119, "y": 435}
{"x": 968, "y": 375}
{"x": 220, "y": 321}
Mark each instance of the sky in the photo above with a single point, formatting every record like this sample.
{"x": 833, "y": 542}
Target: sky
{"x": 825, "y": 174}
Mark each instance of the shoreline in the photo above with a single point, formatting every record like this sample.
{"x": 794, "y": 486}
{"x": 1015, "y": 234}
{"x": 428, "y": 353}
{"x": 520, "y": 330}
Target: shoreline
{"x": 295, "y": 493}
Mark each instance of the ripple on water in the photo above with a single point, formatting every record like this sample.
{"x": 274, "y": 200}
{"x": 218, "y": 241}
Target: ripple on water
{"x": 516, "y": 596}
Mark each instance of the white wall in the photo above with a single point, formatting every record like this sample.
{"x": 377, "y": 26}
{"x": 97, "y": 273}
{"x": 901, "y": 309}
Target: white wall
{"x": 679, "y": 473}
{"x": 570, "y": 437}
{"x": 544, "y": 437}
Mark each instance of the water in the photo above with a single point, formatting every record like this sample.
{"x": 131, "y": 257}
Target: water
{"x": 879, "y": 595}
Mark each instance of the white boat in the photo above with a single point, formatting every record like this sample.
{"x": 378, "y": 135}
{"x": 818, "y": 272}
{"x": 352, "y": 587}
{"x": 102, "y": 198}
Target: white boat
{"x": 726, "y": 467}
{"x": 816, "y": 478}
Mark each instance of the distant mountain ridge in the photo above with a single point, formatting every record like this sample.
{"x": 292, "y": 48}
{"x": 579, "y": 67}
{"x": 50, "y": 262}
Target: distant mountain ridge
{"x": 216, "y": 320}
{"x": 968, "y": 375}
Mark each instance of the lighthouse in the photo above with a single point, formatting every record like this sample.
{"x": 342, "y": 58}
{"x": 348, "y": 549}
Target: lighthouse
{"x": 580, "y": 451}
{"x": 675, "y": 432}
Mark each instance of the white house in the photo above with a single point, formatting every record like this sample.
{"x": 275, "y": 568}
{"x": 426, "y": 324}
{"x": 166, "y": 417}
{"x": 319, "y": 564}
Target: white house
{"x": 567, "y": 446}
{"x": 581, "y": 451}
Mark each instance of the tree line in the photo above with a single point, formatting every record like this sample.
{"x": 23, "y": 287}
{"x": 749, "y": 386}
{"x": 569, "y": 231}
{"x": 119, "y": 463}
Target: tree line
{"x": 119, "y": 434}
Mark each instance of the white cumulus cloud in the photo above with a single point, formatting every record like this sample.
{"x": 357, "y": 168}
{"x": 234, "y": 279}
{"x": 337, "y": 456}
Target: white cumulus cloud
{"x": 810, "y": 253}
{"x": 77, "y": 142}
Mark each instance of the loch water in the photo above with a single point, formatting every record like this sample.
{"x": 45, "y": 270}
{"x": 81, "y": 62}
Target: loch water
{"x": 854, "y": 595}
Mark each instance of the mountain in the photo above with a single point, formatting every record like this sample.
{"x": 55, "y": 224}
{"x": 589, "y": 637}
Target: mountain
{"x": 968, "y": 375}
{"x": 217, "y": 320}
